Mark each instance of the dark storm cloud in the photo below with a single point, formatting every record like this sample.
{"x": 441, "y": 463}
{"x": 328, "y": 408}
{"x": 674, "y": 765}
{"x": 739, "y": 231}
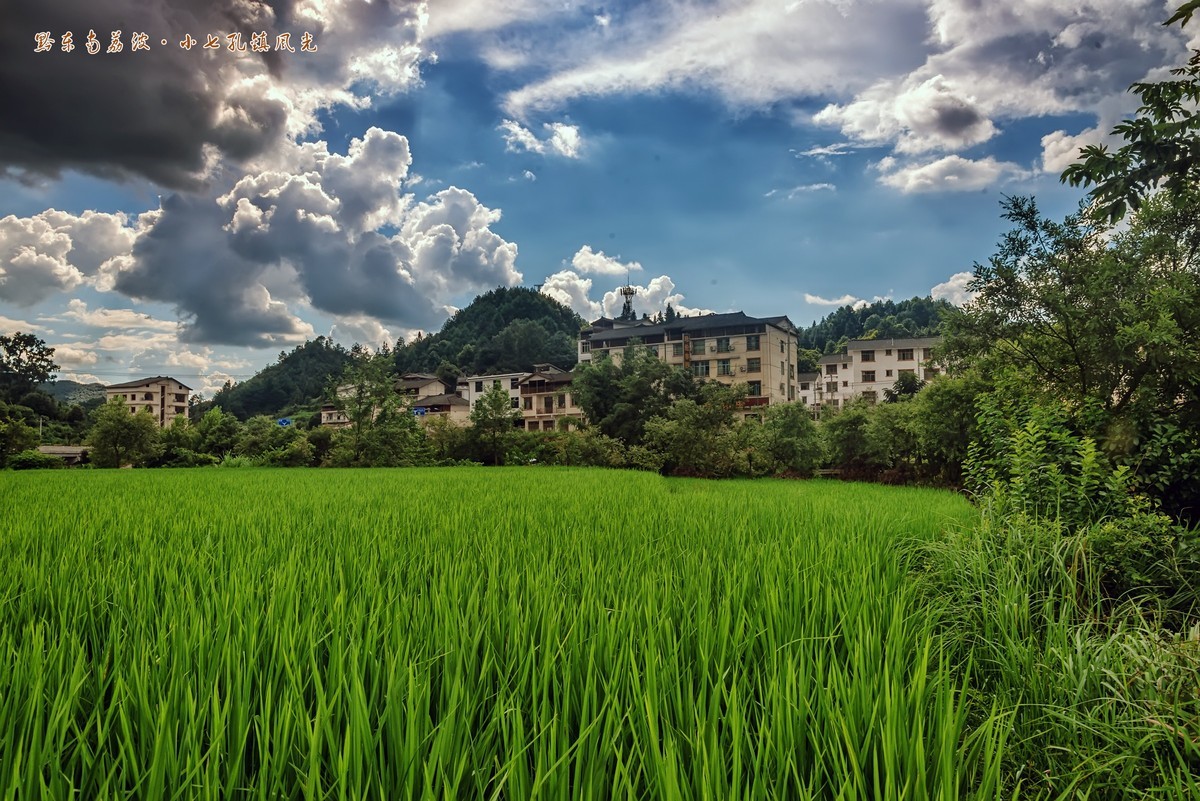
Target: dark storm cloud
{"x": 185, "y": 260}
{"x": 124, "y": 114}
{"x": 953, "y": 118}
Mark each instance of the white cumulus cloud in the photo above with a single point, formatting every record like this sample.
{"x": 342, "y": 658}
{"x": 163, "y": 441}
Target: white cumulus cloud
{"x": 954, "y": 289}
{"x": 597, "y": 262}
{"x": 951, "y": 174}
{"x": 561, "y": 139}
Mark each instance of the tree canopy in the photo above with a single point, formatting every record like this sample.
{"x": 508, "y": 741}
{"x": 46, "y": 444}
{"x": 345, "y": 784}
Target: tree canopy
{"x": 296, "y": 379}
{"x": 915, "y": 317}
{"x": 504, "y": 330}
{"x": 25, "y": 362}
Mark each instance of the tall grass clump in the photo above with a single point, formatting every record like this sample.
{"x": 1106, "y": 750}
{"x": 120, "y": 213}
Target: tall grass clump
{"x": 1078, "y": 608}
{"x": 473, "y": 633}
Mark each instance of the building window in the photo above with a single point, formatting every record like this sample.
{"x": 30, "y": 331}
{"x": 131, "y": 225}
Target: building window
{"x": 513, "y": 383}
{"x": 780, "y": 387}
{"x": 869, "y": 376}
{"x": 845, "y": 367}
{"x": 496, "y": 384}
{"x": 791, "y": 372}
{"x": 677, "y": 349}
{"x": 754, "y": 365}
{"x": 697, "y": 346}
{"x": 803, "y": 401}
{"x": 752, "y": 342}
{"x": 930, "y": 372}
{"x": 868, "y": 355}
{"x": 723, "y": 345}
{"x": 870, "y": 396}
{"x": 700, "y": 369}
{"x": 724, "y": 367}
{"x": 887, "y": 373}
{"x": 791, "y": 393}
{"x": 562, "y": 401}
{"x": 907, "y": 371}
{"x": 479, "y": 386}
{"x": 831, "y": 369}
{"x": 529, "y": 404}
{"x": 904, "y": 354}
{"x": 831, "y": 387}
{"x": 834, "y": 402}
{"x": 148, "y": 396}
{"x": 782, "y": 346}
{"x": 845, "y": 383}
{"x": 927, "y": 353}
{"x": 887, "y": 352}
{"x": 548, "y": 404}
{"x": 515, "y": 402}
{"x": 755, "y": 389}
{"x": 585, "y": 346}
{"x": 132, "y": 410}
{"x": 179, "y": 410}
{"x": 654, "y": 349}
{"x": 180, "y": 398}
{"x": 781, "y": 369}
{"x": 804, "y": 386}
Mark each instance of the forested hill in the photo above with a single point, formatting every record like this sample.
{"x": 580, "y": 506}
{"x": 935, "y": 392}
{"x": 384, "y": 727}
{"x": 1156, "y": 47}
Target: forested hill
{"x": 504, "y": 330}
{"x": 916, "y": 317}
{"x": 299, "y": 378}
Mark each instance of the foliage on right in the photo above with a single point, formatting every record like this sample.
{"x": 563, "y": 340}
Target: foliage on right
{"x": 1104, "y": 321}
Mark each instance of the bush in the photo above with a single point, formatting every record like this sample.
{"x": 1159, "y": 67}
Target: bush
{"x": 34, "y": 460}
{"x": 1145, "y": 557}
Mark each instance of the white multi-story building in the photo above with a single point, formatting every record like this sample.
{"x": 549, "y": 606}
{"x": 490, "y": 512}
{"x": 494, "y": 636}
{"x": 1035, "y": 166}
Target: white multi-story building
{"x": 163, "y": 397}
{"x": 472, "y": 387}
{"x": 870, "y": 366}
{"x": 731, "y": 348}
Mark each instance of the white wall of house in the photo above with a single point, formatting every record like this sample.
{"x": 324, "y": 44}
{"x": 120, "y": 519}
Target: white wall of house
{"x": 472, "y": 387}
{"x": 164, "y": 398}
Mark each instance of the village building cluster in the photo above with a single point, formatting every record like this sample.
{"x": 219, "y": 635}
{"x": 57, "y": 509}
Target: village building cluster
{"x": 731, "y": 348}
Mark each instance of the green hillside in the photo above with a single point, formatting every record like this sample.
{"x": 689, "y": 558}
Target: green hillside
{"x": 501, "y": 331}
{"x": 299, "y": 378}
{"x": 916, "y": 317}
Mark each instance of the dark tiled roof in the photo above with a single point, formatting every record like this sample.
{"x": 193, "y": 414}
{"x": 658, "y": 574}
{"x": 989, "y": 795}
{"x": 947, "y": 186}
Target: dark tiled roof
{"x": 144, "y": 381}
{"x": 549, "y": 378}
{"x": 910, "y": 342}
{"x": 808, "y": 376}
{"x": 415, "y": 380}
{"x": 705, "y": 322}
{"x": 441, "y": 400}
{"x": 834, "y": 358}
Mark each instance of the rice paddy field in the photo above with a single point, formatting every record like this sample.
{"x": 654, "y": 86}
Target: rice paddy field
{"x": 476, "y": 633}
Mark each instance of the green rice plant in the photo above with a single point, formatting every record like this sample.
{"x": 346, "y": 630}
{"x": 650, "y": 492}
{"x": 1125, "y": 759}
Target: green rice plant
{"x": 479, "y": 633}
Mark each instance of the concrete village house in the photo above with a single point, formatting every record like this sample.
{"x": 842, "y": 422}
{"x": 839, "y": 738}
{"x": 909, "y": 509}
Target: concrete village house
{"x": 729, "y": 348}
{"x": 164, "y": 397}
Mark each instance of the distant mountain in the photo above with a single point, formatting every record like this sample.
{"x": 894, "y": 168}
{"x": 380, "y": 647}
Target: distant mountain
{"x": 72, "y": 392}
{"x": 916, "y": 317}
{"x": 298, "y": 379}
{"x": 504, "y": 330}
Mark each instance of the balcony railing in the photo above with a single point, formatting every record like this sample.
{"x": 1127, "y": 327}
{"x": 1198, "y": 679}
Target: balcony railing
{"x": 746, "y": 403}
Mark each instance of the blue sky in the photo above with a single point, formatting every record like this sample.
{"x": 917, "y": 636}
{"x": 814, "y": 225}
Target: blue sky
{"x": 194, "y": 213}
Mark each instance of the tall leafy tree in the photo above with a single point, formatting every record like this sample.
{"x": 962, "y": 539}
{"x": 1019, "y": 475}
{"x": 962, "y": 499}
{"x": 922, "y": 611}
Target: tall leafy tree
{"x": 1106, "y": 322}
{"x": 118, "y": 438}
{"x": 493, "y": 420}
{"x": 620, "y": 396}
{"x": 15, "y": 434}
{"x": 25, "y": 362}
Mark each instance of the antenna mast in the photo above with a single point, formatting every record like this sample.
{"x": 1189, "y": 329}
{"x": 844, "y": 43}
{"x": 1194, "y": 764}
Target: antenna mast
{"x": 628, "y": 292}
